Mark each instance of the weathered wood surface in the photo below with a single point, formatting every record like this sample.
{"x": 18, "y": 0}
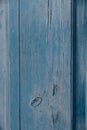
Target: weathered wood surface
{"x": 9, "y": 65}
{"x": 13, "y": 26}
{"x": 45, "y": 65}
{"x": 81, "y": 66}
{"x": 43, "y": 80}
{"x": 4, "y": 68}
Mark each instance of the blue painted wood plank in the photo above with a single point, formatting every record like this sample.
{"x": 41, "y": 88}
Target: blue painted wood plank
{"x": 13, "y": 36}
{"x": 45, "y": 65}
{"x": 80, "y": 65}
{"x": 4, "y": 67}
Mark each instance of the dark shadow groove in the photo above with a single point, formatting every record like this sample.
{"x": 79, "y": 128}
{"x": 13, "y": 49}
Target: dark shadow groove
{"x": 19, "y": 66}
{"x": 74, "y": 50}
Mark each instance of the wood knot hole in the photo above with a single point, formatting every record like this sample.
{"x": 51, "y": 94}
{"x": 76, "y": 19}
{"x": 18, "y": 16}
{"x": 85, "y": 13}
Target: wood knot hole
{"x": 36, "y": 101}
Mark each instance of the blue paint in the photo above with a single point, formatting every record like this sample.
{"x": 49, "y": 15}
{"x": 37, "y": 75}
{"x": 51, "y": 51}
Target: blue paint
{"x": 81, "y": 49}
{"x": 45, "y": 56}
{"x": 4, "y": 68}
{"x": 14, "y": 64}
{"x": 43, "y": 66}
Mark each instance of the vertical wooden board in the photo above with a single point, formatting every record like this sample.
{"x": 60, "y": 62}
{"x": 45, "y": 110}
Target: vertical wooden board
{"x": 13, "y": 35}
{"x": 45, "y": 64}
{"x": 81, "y": 59}
{"x": 4, "y": 67}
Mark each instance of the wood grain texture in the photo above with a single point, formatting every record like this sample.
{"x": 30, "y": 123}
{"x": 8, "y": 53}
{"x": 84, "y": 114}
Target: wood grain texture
{"x": 81, "y": 58}
{"x": 4, "y": 67}
{"x": 40, "y": 38}
{"x": 45, "y": 64}
{"x": 13, "y": 64}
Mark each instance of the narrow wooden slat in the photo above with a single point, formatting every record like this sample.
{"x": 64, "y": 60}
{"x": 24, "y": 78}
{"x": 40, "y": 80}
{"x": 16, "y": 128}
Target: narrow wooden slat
{"x": 45, "y": 64}
{"x": 13, "y": 36}
{"x": 81, "y": 59}
{"x": 4, "y": 67}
